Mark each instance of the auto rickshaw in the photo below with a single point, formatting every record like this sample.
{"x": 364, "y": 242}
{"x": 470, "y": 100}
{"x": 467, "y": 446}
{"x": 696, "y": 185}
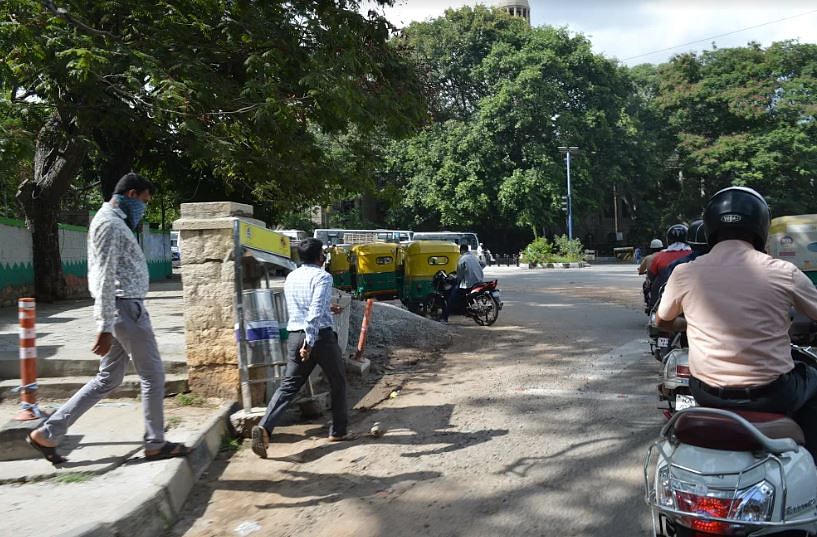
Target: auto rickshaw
{"x": 423, "y": 259}
{"x": 340, "y": 267}
{"x": 376, "y": 270}
{"x": 794, "y": 239}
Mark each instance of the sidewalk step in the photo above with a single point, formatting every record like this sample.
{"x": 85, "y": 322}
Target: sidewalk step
{"x": 64, "y": 387}
{"x": 74, "y": 367}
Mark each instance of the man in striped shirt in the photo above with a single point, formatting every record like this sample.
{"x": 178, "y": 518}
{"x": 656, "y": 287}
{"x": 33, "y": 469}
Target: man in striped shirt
{"x": 118, "y": 280}
{"x": 312, "y": 341}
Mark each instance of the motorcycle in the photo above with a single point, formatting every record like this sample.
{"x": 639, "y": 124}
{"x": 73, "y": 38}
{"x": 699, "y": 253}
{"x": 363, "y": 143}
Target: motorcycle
{"x": 663, "y": 342}
{"x": 482, "y": 302}
{"x": 732, "y": 472}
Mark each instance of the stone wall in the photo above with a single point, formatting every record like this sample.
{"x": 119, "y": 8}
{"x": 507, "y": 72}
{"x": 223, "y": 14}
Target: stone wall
{"x": 208, "y": 281}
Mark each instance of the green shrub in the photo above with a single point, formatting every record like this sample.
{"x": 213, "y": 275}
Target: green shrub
{"x": 538, "y": 252}
{"x": 563, "y": 250}
{"x": 572, "y": 250}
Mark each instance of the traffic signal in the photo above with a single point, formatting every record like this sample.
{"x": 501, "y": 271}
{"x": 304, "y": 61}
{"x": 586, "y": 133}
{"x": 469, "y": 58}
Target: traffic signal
{"x": 564, "y": 203}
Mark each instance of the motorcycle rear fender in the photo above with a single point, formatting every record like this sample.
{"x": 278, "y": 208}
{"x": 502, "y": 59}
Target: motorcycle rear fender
{"x": 717, "y": 469}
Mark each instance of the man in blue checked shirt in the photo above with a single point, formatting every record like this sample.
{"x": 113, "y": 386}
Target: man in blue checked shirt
{"x": 312, "y": 341}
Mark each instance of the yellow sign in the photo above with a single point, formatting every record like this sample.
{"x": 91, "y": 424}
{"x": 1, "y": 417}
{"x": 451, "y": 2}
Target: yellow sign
{"x": 265, "y": 240}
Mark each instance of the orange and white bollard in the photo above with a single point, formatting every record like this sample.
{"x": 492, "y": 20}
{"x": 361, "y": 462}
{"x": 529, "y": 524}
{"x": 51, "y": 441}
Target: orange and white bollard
{"x": 29, "y": 410}
{"x": 364, "y": 330}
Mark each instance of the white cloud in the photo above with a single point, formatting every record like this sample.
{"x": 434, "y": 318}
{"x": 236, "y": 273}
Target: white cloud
{"x": 627, "y": 28}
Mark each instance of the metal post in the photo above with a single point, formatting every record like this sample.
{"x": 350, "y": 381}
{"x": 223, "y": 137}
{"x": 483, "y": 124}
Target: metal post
{"x": 569, "y": 151}
{"x": 615, "y": 210}
{"x": 28, "y": 361}
{"x": 240, "y": 331}
{"x": 569, "y": 201}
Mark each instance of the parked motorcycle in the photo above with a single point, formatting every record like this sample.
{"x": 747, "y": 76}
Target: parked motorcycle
{"x": 482, "y": 302}
{"x": 719, "y": 472}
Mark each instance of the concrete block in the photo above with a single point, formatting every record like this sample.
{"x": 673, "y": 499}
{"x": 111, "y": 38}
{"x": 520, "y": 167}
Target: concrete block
{"x": 180, "y": 484}
{"x": 358, "y": 368}
{"x": 244, "y": 420}
{"x": 215, "y": 209}
{"x": 13, "y": 445}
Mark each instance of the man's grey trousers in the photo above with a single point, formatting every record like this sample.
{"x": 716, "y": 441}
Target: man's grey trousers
{"x": 134, "y": 339}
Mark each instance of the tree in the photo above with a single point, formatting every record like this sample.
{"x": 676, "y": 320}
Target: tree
{"x": 240, "y": 95}
{"x": 743, "y": 116}
{"x": 511, "y": 96}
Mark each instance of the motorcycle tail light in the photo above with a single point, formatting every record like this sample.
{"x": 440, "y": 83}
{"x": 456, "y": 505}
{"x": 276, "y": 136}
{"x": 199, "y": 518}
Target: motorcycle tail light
{"x": 682, "y": 371}
{"x": 752, "y": 504}
{"x": 705, "y": 505}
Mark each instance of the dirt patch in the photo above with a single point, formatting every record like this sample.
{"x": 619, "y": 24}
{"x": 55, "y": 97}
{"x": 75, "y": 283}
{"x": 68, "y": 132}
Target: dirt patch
{"x": 630, "y": 298}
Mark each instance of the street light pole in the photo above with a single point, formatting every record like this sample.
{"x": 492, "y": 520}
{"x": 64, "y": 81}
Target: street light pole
{"x": 568, "y": 151}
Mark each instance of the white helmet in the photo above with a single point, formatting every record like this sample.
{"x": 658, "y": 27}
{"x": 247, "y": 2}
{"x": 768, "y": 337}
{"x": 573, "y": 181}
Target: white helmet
{"x": 656, "y": 243}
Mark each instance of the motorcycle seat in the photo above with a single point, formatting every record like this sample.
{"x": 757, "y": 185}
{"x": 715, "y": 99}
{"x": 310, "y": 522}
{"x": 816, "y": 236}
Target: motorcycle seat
{"x": 482, "y": 285}
{"x": 724, "y": 433}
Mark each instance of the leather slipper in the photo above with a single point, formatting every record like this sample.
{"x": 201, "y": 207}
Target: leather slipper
{"x": 50, "y": 453}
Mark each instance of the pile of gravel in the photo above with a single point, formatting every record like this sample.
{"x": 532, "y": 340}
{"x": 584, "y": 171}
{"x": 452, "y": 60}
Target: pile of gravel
{"x": 392, "y": 327}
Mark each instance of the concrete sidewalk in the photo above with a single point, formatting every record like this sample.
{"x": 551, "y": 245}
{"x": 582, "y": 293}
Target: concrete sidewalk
{"x": 66, "y": 331}
{"x": 107, "y": 488}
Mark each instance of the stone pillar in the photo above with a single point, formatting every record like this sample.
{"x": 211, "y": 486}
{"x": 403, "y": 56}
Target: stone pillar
{"x": 208, "y": 279}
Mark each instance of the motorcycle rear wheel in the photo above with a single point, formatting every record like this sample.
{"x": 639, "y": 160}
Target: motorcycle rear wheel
{"x": 435, "y": 307}
{"x": 484, "y": 309}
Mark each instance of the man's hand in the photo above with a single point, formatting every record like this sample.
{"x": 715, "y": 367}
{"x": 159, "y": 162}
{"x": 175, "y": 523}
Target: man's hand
{"x": 304, "y": 352}
{"x": 679, "y": 324}
{"x": 103, "y": 343}
{"x": 336, "y": 308}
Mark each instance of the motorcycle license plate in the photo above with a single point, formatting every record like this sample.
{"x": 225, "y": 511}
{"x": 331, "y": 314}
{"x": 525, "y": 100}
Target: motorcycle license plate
{"x": 684, "y": 401}
{"x": 663, "y": 342}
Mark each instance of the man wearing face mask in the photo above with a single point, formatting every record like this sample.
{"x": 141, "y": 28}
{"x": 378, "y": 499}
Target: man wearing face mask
{"x": 118, "y": 280}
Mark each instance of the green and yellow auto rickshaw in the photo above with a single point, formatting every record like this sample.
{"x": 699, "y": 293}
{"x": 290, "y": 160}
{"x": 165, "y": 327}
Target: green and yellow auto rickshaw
{"x": 422, "y": 260}
{"x": 340, "y": 267}
{"x": 376, "y": 270}
{"x": 794, "y": 238}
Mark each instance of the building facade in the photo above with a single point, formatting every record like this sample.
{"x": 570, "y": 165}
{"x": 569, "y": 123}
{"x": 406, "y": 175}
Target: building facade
{"x": 517, "y": 8}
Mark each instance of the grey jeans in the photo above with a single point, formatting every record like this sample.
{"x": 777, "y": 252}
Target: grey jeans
{"x": 134, "y": 339}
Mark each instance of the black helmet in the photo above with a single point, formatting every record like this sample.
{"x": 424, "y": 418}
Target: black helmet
{"x": 741, "y": 211}
{"x": 676, "y": 233}
{"x": 697, "y": 236}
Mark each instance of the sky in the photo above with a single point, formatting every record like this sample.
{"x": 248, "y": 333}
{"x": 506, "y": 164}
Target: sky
{"x": 638, "y": 31}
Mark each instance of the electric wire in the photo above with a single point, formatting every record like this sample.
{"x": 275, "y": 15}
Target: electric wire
{"x": 721, "y": 35}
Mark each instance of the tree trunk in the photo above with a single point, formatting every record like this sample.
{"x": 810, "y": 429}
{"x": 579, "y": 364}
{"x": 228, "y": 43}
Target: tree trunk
{"x": 57, "y": 159}
{"x": 116, "y": 149}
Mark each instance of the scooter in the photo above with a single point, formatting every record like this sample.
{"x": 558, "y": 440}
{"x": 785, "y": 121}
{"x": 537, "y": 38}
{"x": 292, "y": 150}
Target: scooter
{"x": 482, "y": 302}
{"x": 716, "y": 472}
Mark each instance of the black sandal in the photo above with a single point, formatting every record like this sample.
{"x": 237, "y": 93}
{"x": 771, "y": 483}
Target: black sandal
{"x": 169, "y": 450}
{"x": 50, "y": 453}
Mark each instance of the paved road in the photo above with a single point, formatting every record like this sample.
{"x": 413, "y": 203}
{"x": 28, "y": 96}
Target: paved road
{"x": 536, "y": 426}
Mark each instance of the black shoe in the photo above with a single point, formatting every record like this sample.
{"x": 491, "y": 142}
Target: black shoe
{"x": 260, "y": 441}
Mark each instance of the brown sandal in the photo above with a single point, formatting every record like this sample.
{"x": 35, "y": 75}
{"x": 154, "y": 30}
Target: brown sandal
{"x": 169, "y": 450}
{"x": 49, "y": 452}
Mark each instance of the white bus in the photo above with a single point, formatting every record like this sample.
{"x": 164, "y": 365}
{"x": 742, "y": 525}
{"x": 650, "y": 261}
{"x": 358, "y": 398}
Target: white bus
{"x": 457, "y": 237}
{"x": 331, "y": 237}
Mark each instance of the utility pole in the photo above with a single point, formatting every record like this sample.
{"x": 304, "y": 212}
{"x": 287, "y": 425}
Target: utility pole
{"x": 615, "y": 209}
{"x": 569, "y": 151}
